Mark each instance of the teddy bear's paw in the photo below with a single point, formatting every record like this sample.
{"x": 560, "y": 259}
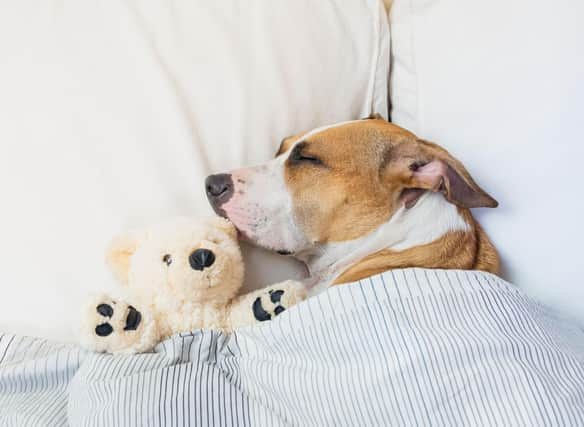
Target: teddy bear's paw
{"x": 277, "y": 299}
{"x": 112, "y": 326}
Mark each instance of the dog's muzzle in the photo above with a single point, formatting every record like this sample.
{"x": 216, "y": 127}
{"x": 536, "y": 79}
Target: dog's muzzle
{"x": 219, "y": 189}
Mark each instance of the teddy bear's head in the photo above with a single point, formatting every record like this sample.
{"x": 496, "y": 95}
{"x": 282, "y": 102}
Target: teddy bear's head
{"x": 185, "y": 260}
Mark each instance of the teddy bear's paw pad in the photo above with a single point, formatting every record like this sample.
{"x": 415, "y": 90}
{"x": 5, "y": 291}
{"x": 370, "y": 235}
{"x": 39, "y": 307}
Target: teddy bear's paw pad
{"x": 273, "y": 303}
{"x": 104, "y": 329}
{"x": 112, "y": 326}
{"x": 105, "y": 310}
{"x": 271, "y": 309}
{"x": 132, "y": 317}
{"x": 276, "y": 296}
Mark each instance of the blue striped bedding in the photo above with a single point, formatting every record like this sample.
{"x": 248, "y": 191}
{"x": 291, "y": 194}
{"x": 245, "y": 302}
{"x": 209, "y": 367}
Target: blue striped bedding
{"x": 407, "y": 347}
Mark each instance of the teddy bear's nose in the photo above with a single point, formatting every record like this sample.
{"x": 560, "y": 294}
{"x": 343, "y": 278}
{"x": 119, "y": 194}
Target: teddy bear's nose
{"x": 201, "y": 259}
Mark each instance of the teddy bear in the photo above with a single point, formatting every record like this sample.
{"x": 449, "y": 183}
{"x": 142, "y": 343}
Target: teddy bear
{"x": 177, "y": 276}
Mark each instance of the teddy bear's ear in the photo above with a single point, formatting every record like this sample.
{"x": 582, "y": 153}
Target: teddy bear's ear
{"x": 120, "y": 250}
{"x": 224, "y": 225}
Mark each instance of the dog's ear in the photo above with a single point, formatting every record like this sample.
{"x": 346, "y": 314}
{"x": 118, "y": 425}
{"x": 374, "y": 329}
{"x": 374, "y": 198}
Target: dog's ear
{"x": 437, "y": 170}
{"x": 373, "y": 116}
{"x": 119, "y": 252}
{"x": 285, "y": 144}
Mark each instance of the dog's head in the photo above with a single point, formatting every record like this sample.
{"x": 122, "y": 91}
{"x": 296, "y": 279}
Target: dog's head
{"x": 338, "y": 183}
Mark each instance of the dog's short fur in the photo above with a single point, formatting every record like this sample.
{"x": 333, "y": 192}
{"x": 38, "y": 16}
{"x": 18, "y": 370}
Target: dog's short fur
{"x": 358, "y": 198}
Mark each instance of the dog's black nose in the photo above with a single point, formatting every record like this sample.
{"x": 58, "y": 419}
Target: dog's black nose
{"x": 219, "y": 190}
{"x": 219, "y": 186}
{"x": 201, "y": 259}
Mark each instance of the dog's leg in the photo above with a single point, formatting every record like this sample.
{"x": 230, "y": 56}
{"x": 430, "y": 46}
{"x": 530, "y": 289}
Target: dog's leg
{"x": 113, "y": 326}
{"x": 264, "y": 304}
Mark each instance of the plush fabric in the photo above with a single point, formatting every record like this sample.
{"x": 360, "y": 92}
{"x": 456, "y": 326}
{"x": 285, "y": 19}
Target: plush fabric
{"x": 176, "y": 276}
{"x": 114, "y": 112}
{"x": 408, "y": 347}
{"x": 500, "y": 84}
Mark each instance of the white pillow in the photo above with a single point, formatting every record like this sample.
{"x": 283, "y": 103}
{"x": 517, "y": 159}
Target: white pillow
{"x": 112, "y": 114}
{"x": 501, "y": 85}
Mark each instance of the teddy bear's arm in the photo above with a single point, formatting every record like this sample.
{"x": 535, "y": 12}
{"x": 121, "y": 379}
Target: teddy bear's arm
{"x": 113, "y": 326}
{"x": 264, "y": 304}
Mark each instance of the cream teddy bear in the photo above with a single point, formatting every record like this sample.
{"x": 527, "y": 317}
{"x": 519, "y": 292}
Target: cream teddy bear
{"x": 175, "y": 277}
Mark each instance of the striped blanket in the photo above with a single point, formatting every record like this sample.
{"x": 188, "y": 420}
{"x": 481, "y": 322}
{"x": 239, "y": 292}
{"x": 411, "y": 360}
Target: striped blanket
{"x": 407, "y": 347}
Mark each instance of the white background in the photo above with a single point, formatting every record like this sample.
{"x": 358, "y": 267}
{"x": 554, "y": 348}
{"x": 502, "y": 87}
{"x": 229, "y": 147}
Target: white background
{"x": 112, "y": 114}
{"x": 501, "y": 85}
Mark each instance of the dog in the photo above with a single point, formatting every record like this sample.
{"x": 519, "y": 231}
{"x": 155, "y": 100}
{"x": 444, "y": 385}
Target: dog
{"x": 358, "y": 198}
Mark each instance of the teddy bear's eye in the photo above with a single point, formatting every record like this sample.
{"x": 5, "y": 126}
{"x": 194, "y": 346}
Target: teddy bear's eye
{"x": 167, "y": 259}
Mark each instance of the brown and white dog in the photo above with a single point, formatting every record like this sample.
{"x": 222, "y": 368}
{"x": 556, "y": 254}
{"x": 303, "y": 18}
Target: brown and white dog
{"x": 358, "y": 198}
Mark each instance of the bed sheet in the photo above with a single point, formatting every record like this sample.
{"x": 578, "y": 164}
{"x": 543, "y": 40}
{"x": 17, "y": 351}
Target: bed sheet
{"x": 407, "y": 347}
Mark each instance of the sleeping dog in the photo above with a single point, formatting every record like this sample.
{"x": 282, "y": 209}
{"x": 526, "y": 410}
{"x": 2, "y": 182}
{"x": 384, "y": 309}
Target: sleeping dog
{"x": 358, "y": 198}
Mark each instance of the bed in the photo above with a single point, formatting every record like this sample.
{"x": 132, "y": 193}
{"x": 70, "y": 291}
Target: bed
{"x": 407, "y": 347}
{"x": 112, "y": 115}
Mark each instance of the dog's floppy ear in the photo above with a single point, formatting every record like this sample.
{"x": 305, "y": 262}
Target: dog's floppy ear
{"x": 119, "y": 252}
{"x": 439, "y": 171}
{"x": 373, "y": 116}
{"x": 285, "y": 144}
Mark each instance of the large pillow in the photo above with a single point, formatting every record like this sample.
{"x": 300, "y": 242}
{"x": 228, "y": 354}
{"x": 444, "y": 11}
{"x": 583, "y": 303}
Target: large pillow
{"x": 112, "y": 113}
{"x": 501, "y": 85}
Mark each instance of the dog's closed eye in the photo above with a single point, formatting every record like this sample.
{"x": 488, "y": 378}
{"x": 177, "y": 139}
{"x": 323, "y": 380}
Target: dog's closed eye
{"x": 299, "y": 156}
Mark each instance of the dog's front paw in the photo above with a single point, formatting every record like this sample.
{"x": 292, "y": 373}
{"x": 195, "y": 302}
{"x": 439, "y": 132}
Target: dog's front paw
{"x": 277, "y": 299}
{"x": 111, "y": 326}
